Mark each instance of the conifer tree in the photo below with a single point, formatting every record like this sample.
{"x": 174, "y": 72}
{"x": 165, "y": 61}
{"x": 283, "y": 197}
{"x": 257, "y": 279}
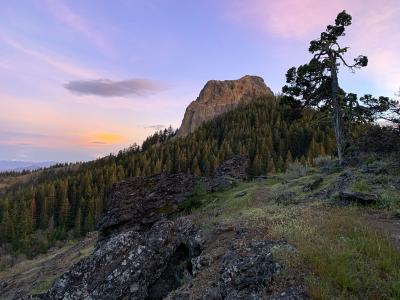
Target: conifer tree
{"x": 316, "y": 83}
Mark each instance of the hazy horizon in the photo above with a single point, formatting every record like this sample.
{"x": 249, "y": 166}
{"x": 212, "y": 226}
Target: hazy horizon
{"x": 79, "y": 80}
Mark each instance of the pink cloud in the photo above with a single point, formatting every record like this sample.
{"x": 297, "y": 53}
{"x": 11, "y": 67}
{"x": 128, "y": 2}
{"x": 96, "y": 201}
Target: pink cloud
{"x": 285, "y": 18}
{"x": 377, "y": 34}
{"x": 375, "y": 31}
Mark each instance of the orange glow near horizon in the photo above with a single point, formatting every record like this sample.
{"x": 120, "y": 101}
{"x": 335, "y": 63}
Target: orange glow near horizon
{"x": 106, "y": 138}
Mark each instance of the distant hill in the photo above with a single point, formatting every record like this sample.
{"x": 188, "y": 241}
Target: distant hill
{"x": 13, "y": 165}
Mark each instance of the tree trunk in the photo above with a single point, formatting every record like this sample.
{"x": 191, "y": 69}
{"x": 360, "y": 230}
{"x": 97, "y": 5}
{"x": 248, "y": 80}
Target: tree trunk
{"x": 337, "y": 115}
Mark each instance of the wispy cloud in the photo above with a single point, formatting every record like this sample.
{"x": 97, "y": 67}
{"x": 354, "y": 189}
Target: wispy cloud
{"x": 62, "y": 64}
{"x": 111, "y": 88}
{"x": 66, "y": 15}
{"x": 156, "y": 126}
{"x": 5, "y": 65}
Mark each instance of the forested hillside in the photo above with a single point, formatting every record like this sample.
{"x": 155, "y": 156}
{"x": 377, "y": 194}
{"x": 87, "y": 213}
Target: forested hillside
{"x": 67, "y": 201}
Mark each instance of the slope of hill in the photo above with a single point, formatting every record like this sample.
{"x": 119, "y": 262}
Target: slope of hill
{"x": 67, "y": 202}
{"x": 292, "y": 235}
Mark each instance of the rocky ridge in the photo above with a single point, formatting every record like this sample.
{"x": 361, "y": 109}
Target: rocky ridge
{"x": 147, "y": 251}
{"x": 218, "y": 97}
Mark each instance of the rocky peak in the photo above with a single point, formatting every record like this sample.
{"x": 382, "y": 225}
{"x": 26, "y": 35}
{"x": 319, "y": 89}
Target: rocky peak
{"x": 218, "y": 97}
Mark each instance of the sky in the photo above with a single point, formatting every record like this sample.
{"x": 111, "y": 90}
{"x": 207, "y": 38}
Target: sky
{"x": 82, "y": 79}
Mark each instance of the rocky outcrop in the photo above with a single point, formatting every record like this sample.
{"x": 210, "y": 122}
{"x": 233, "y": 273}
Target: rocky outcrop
{"x": 139, "y": 202}
{"x": 148, "y": 252}
{"x": 218, "y": 97}
{"x": 145, "y": 250}
{"x": 128, "y": 265}
{"x": 236, "y": 168}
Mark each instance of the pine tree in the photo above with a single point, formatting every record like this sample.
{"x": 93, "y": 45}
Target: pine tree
{"x": 289, "y": 159}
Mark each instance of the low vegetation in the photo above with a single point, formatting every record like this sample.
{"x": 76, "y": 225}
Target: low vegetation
{"x": 332, "y": 249}
{"x": 335, "y": 251}
{"x": 35, "y": 276}
{"x": 339, "y": 254}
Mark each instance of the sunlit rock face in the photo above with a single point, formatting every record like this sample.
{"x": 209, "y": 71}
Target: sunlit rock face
{"x": 218, "y": 97}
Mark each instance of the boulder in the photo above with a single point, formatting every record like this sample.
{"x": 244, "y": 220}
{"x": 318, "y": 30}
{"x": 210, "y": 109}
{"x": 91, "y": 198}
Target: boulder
{"x": 131, "y": 265}
{"x": 362, "y": 198}
{"x": 246, "y": 272}
{"x": 241, "y": 194}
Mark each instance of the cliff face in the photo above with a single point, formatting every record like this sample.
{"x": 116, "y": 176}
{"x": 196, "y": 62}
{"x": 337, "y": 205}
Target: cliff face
{"x": 218, "y": 97}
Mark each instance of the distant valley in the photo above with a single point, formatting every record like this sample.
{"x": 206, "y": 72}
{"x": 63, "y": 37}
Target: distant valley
{"x": 14, "y": 165}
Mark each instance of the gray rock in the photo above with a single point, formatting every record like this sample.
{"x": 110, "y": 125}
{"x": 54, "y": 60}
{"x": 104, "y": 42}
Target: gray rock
{"x": 286, "y": 197}
{"x": 241, "y": 194}
{"x": 130, "y": 265}
{"x": 313, "y": 185}
{"x": 139, "y": 202}
{"x": 246, "y": 272}
{"x": 362, "y": 198}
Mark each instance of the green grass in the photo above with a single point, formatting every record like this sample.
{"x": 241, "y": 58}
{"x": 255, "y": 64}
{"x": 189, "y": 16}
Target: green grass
{"x": 389, "y": 200}
{"x": 43, "y": 286}
{"x": 221, "y": 206}
{"x": 340, "y": 255}
{"x": 361, "y": 185}
{"x": 337, "y": 254}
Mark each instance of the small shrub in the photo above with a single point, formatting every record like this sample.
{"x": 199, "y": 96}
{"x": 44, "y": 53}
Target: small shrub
{"x": 43, "y": 285}
{"x": 195, "y": 200}
{"x": 380, "y": 179}
{"x": 379, "y": 139}
{"x": 296, "y": 170}
{"x": 322, "y": 161}
{"x": 389, "y": 200}
{"x": 6, "y": 261}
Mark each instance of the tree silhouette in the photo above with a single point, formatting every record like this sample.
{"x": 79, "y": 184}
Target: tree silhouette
{"x": 316, "y": 83}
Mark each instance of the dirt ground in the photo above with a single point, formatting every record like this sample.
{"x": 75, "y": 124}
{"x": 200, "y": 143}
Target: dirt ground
{"x": 389, "y": 226}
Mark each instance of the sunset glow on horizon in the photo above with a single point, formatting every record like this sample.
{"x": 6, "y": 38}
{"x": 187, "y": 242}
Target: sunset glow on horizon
{"x": 82, "y": 79}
